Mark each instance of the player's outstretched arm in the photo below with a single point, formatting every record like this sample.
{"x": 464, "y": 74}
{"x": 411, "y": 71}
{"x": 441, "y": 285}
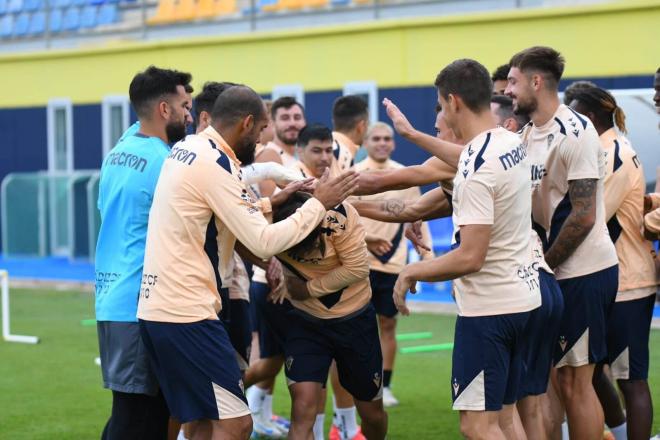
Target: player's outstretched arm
{"x": 578, "y": 224}
{"x": 445, "y": 151}
{"x": 433, "y": 204}
{"x": 469, "y": 257}
{"x": 433, "y": 170}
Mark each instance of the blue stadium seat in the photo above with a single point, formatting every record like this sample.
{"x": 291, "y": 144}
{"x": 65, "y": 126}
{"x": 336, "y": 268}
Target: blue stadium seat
{"x": 61, "y": 3}
{"x": 259, "y": 6}
{"x": 107, "y": 14}
{"x": 3, "y": 6}
{"x": 71, "y": 20}
{"x": 96, "y": 2}
{"x": 55, "y": 22}
{"x": 79, "y": 2}
{"x": 21, "y": 24}
{"x": 340, "y": 2}
{"x": 32, "y": 5}
{"x": 88, "y": 17}
{"x": 6, "y": 26}
{"x": 15, "y": 6}
{"x": 37, "y": 23}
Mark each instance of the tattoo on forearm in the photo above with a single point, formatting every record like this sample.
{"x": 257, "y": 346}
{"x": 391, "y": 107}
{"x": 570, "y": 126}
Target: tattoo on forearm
{"x": 582, "y": 194}
{"x": 394, "y": 207}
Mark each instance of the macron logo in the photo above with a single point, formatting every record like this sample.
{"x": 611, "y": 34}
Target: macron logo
{"x": 513, "y": 157}
{"x": 182, "y": 155}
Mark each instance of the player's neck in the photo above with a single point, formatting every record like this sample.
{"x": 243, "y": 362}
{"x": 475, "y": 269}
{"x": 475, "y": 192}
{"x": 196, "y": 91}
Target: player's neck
{"x": 290, "y": 149}
{"x": 150, "y": 129}
{"x": 352, "y": 135}
{"x": 548, "y": 104}
{"x": 474, "y": 124}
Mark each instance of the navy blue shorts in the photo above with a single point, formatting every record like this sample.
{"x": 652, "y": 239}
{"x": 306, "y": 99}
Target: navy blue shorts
{"x": 487, "y": 361}
{"x": 196, "y": 369}
{"x": 352, "y": 341}
{"x": 238, "y": 329}
{"x": 540, "y": 338}
{"x": 588, "y": 301}
{"x": 272, "y": 321}
{"x": 382, "y": 287}
{"x": 628, "y": 332}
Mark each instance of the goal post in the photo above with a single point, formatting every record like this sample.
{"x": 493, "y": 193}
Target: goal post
{"x": 6, "y": 335}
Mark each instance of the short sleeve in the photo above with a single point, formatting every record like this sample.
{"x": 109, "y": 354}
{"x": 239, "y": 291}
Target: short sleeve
{"x": 477, "y": 204}
{"x": 582, "y": 158}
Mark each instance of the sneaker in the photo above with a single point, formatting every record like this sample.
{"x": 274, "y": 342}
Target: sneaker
{"x": 334, "y": 434}
{"x": 388, "y": 398}
{"x": 282, "y": 423}
{"x": 265, "y": 428}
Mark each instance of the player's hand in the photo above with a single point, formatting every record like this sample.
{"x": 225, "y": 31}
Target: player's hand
{"x": 296, "y": 287}
{"x": 379, "y": 246}
{"x": 648, "y": 204}
{"x": 401, "y": 288}
{"x": 282, "y": 196}
{"x": 331, "y": 192}
{"x": 274, "y": 274}
{"x": 278, "y": 294}
{"x": 399, "y": 120}
{"x": 413, "y": 232}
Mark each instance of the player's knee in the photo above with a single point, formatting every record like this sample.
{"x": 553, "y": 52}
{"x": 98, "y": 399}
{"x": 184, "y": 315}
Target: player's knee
{"x": 374, "y": 416}
{"x": 631, "y": 388}
{"x": 387, "y": 327}
{"x": 244, "y": 427}
{"x": 471, "y": 430}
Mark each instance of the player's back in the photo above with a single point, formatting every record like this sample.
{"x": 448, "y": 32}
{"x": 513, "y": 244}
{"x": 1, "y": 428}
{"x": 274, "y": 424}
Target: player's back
{"x": 624, "y": 207}
{"x": 493, "y": 187}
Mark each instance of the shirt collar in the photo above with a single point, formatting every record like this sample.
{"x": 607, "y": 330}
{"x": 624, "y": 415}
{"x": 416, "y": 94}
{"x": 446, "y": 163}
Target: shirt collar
{"x": 373, "y": 165}
{"x": 343, "y": 139}
{"x": 211, "y": 133}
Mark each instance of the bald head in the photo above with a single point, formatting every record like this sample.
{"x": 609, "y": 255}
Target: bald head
{"x": 237, "y": 103}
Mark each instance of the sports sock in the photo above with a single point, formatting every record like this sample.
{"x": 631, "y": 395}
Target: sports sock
{"x": 620, "y": 432}
{"x": 255, "y": 397}
{"x": 348, "y": 426}
{"x": 387, "y": 377}
{"x": 564, "y": 431}
{"x": 267, "y": 407}
{"x": 318, "y": 427}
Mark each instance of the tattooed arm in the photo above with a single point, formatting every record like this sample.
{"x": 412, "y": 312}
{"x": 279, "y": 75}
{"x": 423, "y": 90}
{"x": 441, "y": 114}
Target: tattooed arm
{"x": 433, "y": 204}
{"x": 578, "y": 224}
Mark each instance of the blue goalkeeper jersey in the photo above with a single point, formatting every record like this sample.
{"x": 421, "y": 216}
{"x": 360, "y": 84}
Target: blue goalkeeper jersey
{"x": 128, "y": 180}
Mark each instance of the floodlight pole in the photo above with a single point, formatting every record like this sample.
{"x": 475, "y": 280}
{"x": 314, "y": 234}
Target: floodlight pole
{"x": 5, "y": 315}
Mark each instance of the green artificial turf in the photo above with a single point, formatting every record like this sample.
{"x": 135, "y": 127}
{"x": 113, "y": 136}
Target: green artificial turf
{"x": 53, "y": 390}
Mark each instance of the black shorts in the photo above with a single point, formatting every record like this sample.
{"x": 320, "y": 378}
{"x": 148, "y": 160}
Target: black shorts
{"x": 628, "y": 330}
{"x": 313, "y": 343}
{"x": 588, "y": 301}
{"x": 272, "y": 321}
{"x": 196, "y": 368}
{"x": 125, "y": 363}
{"x": 541, "y": 337}
{"x": 238, "y": 329}
{"x": 382, "y": 288}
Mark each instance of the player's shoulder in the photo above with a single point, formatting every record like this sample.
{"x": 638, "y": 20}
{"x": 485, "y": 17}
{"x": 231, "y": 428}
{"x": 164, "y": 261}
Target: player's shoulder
{"x": 574, "y": 127}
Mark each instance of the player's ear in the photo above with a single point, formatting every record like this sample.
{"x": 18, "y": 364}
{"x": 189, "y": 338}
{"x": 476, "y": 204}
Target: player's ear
{"x": 164, "y": 109}
{"x": 537, "y": 81}
{"x": 248, "y": 123}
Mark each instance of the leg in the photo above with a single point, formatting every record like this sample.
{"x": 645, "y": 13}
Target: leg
{"x": 263, "y": 372}
{"x": 481, "y": 425}
{"x": 608, "y": 397}
{"x": 304, "y": 401}
{"x": 510, "y": 423}
{"x": 343, "y": 398}
{"x": 388, "y": 345}
{"x": 238, "y": 428}
{"x": 553, "y": 408}
{"x": 583, "y": 410}
{"x": 639, "y": 408}
{"x": 531, "y": 416}
{"x": 137, "y": 416}
{"x": 374, "y": 418}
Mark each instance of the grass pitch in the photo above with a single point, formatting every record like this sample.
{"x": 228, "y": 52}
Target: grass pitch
{"x": 54, "y": 391}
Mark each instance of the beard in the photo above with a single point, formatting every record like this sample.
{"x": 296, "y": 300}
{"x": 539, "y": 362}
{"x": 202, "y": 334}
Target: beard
{"x": 245, "y": 151}
{"x": 175, "y": 131}
{"x": 282, "y": 136}
{"x": 525, "y": 107}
